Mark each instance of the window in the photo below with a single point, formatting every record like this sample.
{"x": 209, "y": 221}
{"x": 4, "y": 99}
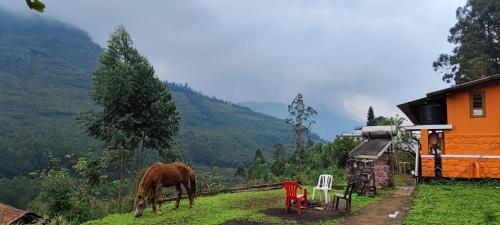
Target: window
{"x": 477, "y": 108}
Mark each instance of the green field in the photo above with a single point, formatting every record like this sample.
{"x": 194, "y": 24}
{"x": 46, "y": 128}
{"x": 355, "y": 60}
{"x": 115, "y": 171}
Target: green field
{"x": 457, "y": 203}
{"x": 222, "y": 208}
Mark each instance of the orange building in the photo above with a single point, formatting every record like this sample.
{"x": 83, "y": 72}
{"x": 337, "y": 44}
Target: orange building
{"x": 459, "y": 129}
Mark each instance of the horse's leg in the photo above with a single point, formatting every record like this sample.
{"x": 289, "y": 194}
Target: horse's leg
{"x": 189, "y": 192}
{"x": 157, "y": 199}
{"x": 179, "y": 195}
{"x": 153, "y": 196}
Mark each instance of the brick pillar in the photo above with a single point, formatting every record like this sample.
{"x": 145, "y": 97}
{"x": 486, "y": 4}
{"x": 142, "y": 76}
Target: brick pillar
{"x": 424, "y": 141}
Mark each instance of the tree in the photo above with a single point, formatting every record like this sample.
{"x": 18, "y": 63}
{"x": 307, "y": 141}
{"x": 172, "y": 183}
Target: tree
{"x": 340, "y": 149}
{"x": 388, "y": 121}
{"x": 477, "y": 43}
{"x": 300, "y": 120}
{"x": 370, "y": 121}
{"x": 136, "y": 109}
{"x": 240, "y": 170}
{"x": 279, "y": 158}
{"x": 259, "y": 171}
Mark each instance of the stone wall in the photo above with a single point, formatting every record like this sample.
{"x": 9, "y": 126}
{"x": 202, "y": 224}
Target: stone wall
{"x": 383, "y": 172}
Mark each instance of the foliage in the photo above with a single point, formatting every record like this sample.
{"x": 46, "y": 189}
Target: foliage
{"x": 92, "y": 169}
{"x": 260, "y": 171}
{"x": 137, "y": 110}
{"x": 477, "y": 43}
{"x": 306, "y": 165}
{"x": 240, "y": 170}
{"x": 300, "y": 120}
{"x": 57, "y": 193}
{"x": 279, "y": 151}
{"x": 136, "y": 106}
{"x": 389, "y": 121}
{"x": 36, "y": 5}
{"x": 456, "y": 203}
{"x": 370, "y": 118}
{"x": 18, "y": 191}
{"x": 209, "y": 181}
{"x": 320, "y": 159}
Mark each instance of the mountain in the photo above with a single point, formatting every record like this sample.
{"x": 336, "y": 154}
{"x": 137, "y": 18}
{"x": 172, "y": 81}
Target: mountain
{"x": 44, "y": 80}
{"x": 214, "y": 131}
{"x": 45, "y": 71}
{"x": 328, "y": 124}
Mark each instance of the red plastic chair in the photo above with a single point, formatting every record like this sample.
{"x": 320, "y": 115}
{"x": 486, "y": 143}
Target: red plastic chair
{"x": 291, "y": 194}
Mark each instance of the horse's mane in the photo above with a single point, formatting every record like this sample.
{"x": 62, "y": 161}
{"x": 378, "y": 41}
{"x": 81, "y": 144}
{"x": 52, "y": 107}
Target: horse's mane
{"x": 140, "y": 189}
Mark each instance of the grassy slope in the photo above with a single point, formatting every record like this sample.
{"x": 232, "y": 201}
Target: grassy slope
{"x": 221, "y": 208}
{"x": 456, "y": 203}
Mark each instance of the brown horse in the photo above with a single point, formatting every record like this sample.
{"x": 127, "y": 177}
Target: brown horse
{"x": 164, "y": 175}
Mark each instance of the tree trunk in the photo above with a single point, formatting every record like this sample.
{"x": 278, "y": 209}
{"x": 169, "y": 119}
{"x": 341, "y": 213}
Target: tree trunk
{"x": 141, "y": 154}
{"x": 120, "y": 191}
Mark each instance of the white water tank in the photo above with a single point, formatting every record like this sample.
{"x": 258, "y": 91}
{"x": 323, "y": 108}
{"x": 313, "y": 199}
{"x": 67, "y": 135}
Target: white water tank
{"x": 379, "y": 131}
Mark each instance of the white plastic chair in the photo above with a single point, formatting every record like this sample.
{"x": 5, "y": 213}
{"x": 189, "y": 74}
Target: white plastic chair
{"x": 325, "y": 183}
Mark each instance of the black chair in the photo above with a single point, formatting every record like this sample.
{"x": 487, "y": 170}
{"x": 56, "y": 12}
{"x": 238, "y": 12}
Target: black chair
{"x": 368, "y": 184}
{"x": 346, "y": 196}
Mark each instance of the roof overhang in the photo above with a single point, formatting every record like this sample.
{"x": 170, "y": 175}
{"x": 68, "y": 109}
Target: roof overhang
{"x": 429, "y": 127}
{"x": 409, "y": 108}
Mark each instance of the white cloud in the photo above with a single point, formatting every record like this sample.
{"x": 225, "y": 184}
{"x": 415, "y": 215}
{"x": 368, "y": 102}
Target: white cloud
{"x": 335, "y": 52}
{"x": 358, "y": 105}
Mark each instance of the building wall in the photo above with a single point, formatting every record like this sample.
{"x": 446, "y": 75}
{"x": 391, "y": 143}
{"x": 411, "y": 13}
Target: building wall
{"x": 473, "y": 135}
{"x": 472, "y": 147}
{"x": 463, "y": 167}
{"x": 427, "y": 167}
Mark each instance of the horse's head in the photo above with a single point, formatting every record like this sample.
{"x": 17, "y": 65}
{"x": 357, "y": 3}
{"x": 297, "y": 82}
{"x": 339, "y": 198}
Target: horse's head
{"x": 139, "y": 204}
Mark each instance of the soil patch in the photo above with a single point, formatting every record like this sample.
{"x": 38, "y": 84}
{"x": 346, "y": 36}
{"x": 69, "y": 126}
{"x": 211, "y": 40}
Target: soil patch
{"x": 311, "y": 216}
{"x": 401, "y": 200}
{"x": 243, "y": 222}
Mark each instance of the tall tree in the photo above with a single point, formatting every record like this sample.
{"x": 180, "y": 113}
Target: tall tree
{"x": 477, "y": 43}
{"x": 300, "y": 120}
{"x": 370, "y": 120}
{"x": 136, "y": 109}
{"x": 279, "y": 158}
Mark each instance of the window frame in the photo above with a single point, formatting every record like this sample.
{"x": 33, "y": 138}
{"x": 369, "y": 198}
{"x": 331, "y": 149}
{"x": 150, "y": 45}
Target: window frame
{"x": 471, "y": 103}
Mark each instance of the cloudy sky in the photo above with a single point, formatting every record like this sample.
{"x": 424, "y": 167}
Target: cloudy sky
{"x": 343, "y": 54}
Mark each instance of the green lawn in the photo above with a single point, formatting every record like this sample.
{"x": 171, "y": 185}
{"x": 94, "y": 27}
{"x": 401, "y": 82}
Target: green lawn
{"x": 456, "y": 203}
{"x": 221, "y": 208}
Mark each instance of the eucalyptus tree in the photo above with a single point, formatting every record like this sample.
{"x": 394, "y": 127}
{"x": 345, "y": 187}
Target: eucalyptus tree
{"x": 301, "y": 120}
{"x": 134, "y": 108}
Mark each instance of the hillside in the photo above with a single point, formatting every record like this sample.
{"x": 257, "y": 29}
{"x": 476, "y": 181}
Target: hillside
{"x": 45, "y": 70}
{"x": 328, "y": 124}
{"x": 217, "y": 132}
{"x": 44, "y": 80}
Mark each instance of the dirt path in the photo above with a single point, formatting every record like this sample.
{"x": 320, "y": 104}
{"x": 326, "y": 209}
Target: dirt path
{"x": 378, "y": 213}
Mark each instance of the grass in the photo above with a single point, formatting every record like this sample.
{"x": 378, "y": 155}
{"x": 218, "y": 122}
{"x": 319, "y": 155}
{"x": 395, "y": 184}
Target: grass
{"x": 207, "y": 210}
{"x": 222, "y": 208}
{"x": 456, "y": 203}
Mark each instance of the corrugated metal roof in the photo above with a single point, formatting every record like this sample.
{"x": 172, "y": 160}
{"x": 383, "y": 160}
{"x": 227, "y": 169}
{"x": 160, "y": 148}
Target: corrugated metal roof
{"x": 371, "y": 148}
